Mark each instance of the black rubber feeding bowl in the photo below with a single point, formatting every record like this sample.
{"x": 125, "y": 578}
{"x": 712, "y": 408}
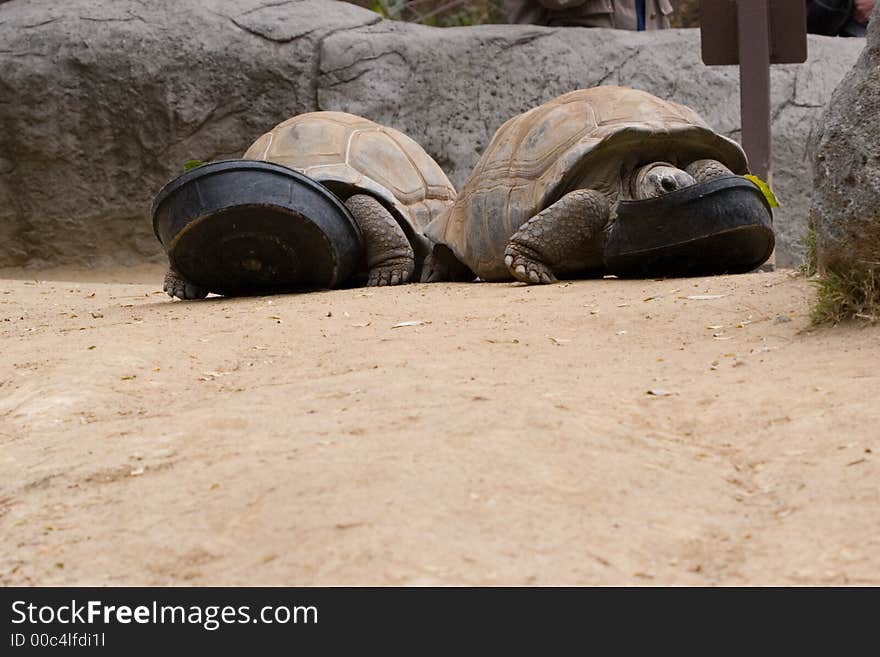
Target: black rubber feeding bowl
{"x": 721, "y": 226}
{"x": 246, "y": 227}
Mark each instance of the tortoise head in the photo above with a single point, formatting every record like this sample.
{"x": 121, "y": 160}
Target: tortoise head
{"x": 656, "y": 179}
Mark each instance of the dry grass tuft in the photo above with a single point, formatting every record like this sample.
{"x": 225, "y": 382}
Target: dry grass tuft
{"x": 854, "y": 295}
{"x": 811, "y": 260}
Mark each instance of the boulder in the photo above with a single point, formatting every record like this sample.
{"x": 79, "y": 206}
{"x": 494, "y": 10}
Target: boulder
{"x": 102, "y": 101}
{"x": 846, "y": 182}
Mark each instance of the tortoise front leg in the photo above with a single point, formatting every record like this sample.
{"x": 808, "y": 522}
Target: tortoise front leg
{"x": 565, "y": 237}
{"x": 177, "y": 286}
{"x": 703, "y": 170}
{"x": 390, "y": 256}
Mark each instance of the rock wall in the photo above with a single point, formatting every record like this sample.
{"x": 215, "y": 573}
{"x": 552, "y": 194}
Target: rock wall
{"x": 846, "y": 186}
{"x": 101, "y": 101}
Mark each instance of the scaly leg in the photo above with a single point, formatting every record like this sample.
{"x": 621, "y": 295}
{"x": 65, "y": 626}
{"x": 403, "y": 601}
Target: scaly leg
{"x": 390, "y": 256}
{"x": 564, "y": 237}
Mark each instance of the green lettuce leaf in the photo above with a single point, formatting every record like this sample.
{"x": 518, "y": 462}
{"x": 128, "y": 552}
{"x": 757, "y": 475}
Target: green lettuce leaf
{"x": 765, "y": 189}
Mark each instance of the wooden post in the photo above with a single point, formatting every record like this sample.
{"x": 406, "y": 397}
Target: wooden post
{"x": 753, "y": 32}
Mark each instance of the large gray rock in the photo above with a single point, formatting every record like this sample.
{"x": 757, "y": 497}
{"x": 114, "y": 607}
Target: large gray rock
{"x": 846, "y": 184}
{"x": 101, "y": 101}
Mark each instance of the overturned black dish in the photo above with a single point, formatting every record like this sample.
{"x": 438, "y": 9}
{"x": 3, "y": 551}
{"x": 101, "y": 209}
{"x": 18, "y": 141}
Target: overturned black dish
{"x": 721, "y": 226}
{"x": 243, "y": 226}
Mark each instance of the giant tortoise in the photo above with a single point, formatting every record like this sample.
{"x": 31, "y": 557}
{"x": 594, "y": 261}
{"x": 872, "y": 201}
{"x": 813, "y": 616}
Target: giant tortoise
{"x": 391, "y": 186}
{"x": 544, "y": 196}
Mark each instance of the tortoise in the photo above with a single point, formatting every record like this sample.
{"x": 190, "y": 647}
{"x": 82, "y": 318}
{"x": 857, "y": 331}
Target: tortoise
{"x": 543, "y": 198}
{"x": 391, "y": 186}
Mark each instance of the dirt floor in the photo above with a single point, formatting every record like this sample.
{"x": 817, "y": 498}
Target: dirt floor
{"x": 676, "y": 432}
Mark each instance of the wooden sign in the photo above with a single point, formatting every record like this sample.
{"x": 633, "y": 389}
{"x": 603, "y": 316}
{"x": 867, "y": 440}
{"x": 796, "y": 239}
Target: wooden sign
{"x": 786, "y": 21}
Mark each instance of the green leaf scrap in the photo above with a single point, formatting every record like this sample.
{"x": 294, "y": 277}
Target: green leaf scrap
{"x": 765, "y": 189}
{"x": 192, "y": 164}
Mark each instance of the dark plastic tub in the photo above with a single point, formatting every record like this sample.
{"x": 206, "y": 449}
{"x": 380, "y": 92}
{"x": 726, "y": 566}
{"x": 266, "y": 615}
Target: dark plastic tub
{"x": 722, "y": 226}
{"x": 246, "y": 227}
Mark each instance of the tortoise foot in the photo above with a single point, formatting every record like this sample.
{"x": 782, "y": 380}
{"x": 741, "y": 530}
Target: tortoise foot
{"x": 177, "y": 286}
{"x": 524, "y": 267}
{"x": 391, "y": 273}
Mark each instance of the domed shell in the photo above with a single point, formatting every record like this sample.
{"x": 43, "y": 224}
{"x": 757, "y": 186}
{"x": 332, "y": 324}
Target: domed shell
{"x": 585, "y": 139}
{"x": 351, "y": 154}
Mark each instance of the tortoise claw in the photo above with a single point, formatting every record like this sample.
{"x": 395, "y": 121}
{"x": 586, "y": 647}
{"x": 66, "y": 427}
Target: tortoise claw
{"x": 526, "y": 269}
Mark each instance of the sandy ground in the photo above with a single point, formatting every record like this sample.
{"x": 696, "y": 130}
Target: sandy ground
{"x": 511, "y": 437}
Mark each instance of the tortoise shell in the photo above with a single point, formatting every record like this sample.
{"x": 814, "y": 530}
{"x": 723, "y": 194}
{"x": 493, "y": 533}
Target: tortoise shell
{"x": 350, "y": 154}
{"x": 585, "y": 139}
